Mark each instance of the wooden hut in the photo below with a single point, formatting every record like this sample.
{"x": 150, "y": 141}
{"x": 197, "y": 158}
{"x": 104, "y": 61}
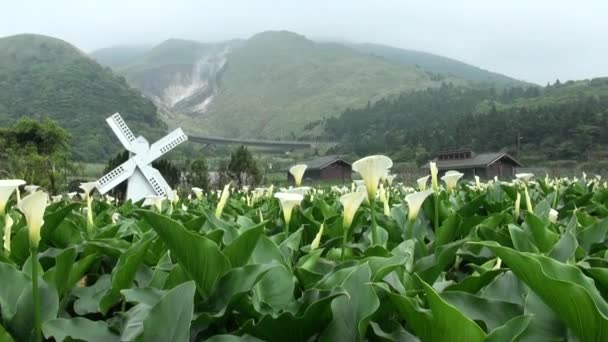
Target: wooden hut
{"x": 325, "y": 168}
{"x": 485, "y": 165}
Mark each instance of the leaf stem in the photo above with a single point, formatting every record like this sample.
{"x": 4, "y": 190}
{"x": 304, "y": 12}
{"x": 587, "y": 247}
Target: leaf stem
{"x": 36, "y": 295}
{"x": 374, "y": 225}
{"x": 436, "y": 220}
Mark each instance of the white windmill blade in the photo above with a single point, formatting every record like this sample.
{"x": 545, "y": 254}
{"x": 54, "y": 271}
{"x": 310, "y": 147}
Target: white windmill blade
{"x": 116, "y": 176}
{"x": 121, "y": 130}
{"x": 164, "y": 145}
{"x": 156, "y": 180}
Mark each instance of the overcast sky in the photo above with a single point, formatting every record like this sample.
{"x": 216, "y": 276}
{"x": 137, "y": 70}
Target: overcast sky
{"x": 533, "y": 40}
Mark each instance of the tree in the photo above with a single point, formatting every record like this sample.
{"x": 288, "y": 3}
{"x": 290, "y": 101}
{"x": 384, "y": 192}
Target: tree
{"x": 37, "y": 152}
{"x": 198, "y": 173}
{"x": 242, "y": 168}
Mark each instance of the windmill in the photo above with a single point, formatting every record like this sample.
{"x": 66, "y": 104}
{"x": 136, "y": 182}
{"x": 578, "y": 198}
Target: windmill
{"x": 144, "y": 180}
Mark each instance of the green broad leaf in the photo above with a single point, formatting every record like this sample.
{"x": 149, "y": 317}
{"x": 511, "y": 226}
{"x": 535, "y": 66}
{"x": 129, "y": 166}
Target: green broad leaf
{"x": 296, "y": 327}
{"x": 430, "y": 267}
{"x": 237, "y": 281}
{"x": 564, "y": 249}
{"x": 241, "y": 248}
{"x": 276, "y": 287}
{"x": 545, "y": 323}
{"x": 78, "y": 328}
{"x": 474, "y": 283}
{"x": 147, "y": 295}
{"x": 88, "y": 298}
{"x": 544, "y": 238}
{"x": 54, "y": 219}
{"x": 396, "y": 333}
{"x": 448, "y": 231}
{"x": 169, "y": 319}
{"x": 352, "y": 313}
{"x": 506, "y": 287}
{"x": 440, "y": 321}
{"x": 200, "y": 257}
{"x": 522, "y": 239}
{"x": 492, "y": 312}
{"x": 5, "y": 336}
{"x": 510, "y": 331}
{"x": 22, "y": 324}
{"x": 291, "y": 244}
{"x": 233, "y": 338}
{"x": 380, "y": 266}
{"x": 562, "y": 287}
{"x": 13, "y": 284}
{"x": 124, "y": 272}
{"x": 60, "y": 274}
{"x": 592, "y": 235}
{"x": 134, "y": 322}
{"x": 66, "y": 234}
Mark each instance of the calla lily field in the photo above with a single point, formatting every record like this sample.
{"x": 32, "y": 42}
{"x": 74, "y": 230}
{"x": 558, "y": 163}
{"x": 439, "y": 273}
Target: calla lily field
{"x": 520, "y": 259}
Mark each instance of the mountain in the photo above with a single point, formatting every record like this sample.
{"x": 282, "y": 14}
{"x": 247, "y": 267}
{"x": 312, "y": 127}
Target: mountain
{"x": 437, "y": 64}
{"x": 117, "y": 56}
{"x": 46, "y": 77}
{"x": 272, "y": 85}
{"x": 561, "y": 122}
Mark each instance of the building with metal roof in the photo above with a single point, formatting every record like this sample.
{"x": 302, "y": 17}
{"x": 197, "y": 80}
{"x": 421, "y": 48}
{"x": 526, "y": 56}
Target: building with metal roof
{"x": 486, "y": 165}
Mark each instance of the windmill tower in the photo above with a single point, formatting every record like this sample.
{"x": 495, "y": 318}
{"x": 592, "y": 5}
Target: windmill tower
{"x": 144, "y": 180}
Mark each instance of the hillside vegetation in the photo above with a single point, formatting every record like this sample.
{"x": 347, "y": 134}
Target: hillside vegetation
{"x": 558, "y": 122}
{"x": 275, "y": 84}
{"x": 438, "y": 64}
{"x": 46, "y": 77}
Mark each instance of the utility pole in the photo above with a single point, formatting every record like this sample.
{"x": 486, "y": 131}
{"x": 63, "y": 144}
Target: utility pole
{"x": 519, "y": 137}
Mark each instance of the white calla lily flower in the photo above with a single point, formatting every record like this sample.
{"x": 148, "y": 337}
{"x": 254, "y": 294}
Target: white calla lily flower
{"x": 414, "y": 202}
{"x": 371, "y": 169}
{"x": 87, "y": 187}
{"x": 517, "y": 205}
{"x": 297, "y": 171}
{"x": 317, "y": 240}
{"x": 303, "y": 190}
{"x": 155, "y": 201}
{"x": 351, "y": 202}
{"x": 525, "y": 177}
{"x": 451, "y": 178}
{"x": 7, "y": 187}
{"x": 71, "y": 195}
{"x": 56, "y": 198}
{"x": 198, "y": 192}
{"x": 422, "y": 182}
{"x": 553, "y": 215}
{"x": 32, "y": 207}
{"x": 30, "y": 189}
{"x": 8, "y": 227}
{"x": 223, "y": 200}
{"x": 390, "y": 178}
{"x": 434, "y": 173}
{"x": 288, "y": 201}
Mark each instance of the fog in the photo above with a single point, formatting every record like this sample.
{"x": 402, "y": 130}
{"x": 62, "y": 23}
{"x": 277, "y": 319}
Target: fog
{"x": 537, "y": 41}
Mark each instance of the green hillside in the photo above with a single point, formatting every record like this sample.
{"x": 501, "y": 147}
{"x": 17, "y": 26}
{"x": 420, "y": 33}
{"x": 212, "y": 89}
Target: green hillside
{"x": 280, "y": 84}
{"x": 277, "y": 82}
{"x": 437, "y": 64}
{"x": 560, "y": 122}
{"x": 46, "y": 77}
{"x": 118, "y": 56}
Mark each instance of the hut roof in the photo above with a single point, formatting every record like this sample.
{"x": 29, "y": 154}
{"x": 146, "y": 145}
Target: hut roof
{"x": 476, "y": 160}
{"x": 321, "y": 162}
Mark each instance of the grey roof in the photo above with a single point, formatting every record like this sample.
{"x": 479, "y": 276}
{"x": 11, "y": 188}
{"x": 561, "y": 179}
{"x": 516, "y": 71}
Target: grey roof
{"x": 478, "y": 160}
{"x": 321, "y": 162}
